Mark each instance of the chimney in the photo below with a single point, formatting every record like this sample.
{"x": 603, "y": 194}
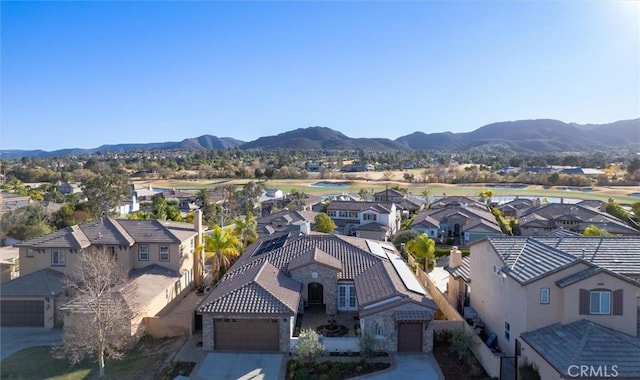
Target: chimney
{"x": 455, "y": 257}
{"x": 561, "y": 200}
{"x": 197, "y": 222}
{"x": 305, "y": 228}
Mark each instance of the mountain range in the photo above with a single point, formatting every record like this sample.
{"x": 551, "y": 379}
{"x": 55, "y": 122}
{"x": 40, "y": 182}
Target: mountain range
{"x": 523, "y": 136}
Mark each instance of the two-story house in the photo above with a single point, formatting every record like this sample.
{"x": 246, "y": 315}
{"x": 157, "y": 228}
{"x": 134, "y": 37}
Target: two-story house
{"x": 370, "y": 220}
{"x": 558, "y": 302}
{"x": 403, "y": 201}
{"x": 159, "y": 256}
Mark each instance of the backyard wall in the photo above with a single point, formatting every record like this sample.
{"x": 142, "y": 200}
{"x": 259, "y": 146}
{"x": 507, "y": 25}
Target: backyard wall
{"x": 489, "y": 360}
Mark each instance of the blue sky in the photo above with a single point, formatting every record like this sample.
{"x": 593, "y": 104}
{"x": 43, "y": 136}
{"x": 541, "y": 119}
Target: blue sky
{"x": 83, "y": 74}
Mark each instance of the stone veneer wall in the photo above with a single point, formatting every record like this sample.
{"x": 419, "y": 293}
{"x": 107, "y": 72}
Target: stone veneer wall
{"x": 328, "y": 277}
{"x": 387, "y": 320}
{"x": 208, "y": 329}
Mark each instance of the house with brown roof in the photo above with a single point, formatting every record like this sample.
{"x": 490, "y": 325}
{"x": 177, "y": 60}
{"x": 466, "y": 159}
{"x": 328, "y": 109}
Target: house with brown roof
{"x": 281, "y": 281}
{"x": 159, "y": 255}
{"x": 403, "y": 201}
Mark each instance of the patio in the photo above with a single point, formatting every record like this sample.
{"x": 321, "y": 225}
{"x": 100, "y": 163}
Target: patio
{"x": 315, "y": 316}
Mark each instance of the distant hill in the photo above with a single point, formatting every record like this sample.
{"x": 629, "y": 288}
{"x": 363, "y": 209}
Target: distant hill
{"x": 198, "y": 143}
{"x": 522, "y": 136}
{"x": 531, "y": 136}
{"x": 320, "y": 138}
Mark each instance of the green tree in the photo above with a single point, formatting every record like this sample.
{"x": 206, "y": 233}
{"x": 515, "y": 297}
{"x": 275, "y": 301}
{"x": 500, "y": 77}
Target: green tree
{"x": 26, "y": 222}
{"x": 308, "y": 348}
{"x": 323, "y": 223}
{"x": 105, "y": 191}
{"x": 245, "y": 229}
{"x": 594, "y": 231}
{"x": 364, "y": 194}
{"x": 221, "y": 250}
{"x": 422, "y": 247}
{"x": 636, "y": 209}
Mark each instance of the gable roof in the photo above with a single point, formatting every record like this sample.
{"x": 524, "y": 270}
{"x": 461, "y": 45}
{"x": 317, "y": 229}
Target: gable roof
{"x": 586, "y": 343}
{"x": 43, "y": 283}
{"x": 259, "y": 290}
{"x": 529, "y": 258}
{"x": 242, "y": 289}
{"x": 315, "y": 256}
{"x": 108, "y": 231}
{"x": 379, "y": 207}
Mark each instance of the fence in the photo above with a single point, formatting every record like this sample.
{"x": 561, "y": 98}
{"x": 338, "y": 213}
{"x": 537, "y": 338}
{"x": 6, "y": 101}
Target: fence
{"x": 489, "y": 360}
{"x": 349, "y": 344}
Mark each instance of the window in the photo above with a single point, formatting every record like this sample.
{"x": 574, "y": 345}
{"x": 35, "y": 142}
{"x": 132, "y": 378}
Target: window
{"x": 378, "y": 331}
{"x": 164, "y": 253}
{"x": 193, "y": 244}
{"x": 57, "y": 258}
{"x": 166, "y": 294}
{"x": 143, "y": 252}
{"x": 181, "y": 250}
{"x": 347, "y": 297}
{"x": 600, "y": 302}
{"x": 332, "y": 213}
{"x": 544, "y": 295}
{"x": 507, "y": 330}
{"x": 29, "y": 252}
{"x": 369, "y": 217}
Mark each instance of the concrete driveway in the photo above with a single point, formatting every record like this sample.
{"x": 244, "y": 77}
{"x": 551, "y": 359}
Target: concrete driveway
{"x": 410, "y": 367}
{"x": 232, "y": 366}
{"x": 14, "y": 339}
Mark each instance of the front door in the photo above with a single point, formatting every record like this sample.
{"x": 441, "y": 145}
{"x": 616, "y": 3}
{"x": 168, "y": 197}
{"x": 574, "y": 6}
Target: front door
{"x": 347, "y": 297}
{"x": 315, "y": 294}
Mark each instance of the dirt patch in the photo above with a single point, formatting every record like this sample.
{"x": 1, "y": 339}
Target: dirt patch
{"x": 166, "y": 349}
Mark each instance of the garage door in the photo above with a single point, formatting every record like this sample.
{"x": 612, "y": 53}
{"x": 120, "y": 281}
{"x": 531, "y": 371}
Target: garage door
{"x": 410, "y": 337}
{"x": 247, "y": 334}
{"x": 22, "y": 313}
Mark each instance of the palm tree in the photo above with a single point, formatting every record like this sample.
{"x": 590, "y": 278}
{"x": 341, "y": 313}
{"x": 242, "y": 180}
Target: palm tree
{"x": 221, "y": 250}
{"x": 245, "y": 229}
{"x": 422, "y": 247}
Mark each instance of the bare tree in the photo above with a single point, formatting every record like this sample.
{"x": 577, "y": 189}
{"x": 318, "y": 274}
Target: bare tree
{"x": 100, "y": 315}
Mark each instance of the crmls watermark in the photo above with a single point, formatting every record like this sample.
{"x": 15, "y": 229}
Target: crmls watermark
{"x": 592, "y": 371}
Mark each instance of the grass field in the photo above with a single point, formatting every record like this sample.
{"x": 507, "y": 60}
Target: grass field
{"x": 146, "y": 361}
{"x": 619, "y": 194}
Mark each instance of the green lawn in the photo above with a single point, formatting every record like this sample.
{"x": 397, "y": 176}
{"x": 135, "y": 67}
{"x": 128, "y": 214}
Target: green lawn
{"x": 37, "y": 363}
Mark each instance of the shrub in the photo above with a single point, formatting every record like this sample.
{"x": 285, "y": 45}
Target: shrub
{"x": 309, "y": 348}
{"x": 368, "y": 346}
{"x": 528, "y": 372}
{"x": 461, "y": 341}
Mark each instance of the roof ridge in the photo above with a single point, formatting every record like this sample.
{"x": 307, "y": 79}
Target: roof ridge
{"x": 120, "y": 229}
{"x": 583, "y": 341}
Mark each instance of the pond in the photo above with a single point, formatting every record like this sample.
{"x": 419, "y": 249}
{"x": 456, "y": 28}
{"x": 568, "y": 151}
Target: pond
{"x": 331, "y": 184}
{"x": 507, "y": 186}
{"x": 637, "y": 195}
{"x": 582, "y": 189}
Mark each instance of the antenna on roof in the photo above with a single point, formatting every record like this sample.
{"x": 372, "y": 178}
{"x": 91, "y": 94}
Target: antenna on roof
{"x": 583, "y": 253}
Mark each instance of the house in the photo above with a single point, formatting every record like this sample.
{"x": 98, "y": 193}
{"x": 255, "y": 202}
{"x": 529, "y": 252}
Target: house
{"x": 285, "y": 221}
{"x": 403, "y": 201}
{"x": 280, "y": 279}
{"x": 457, "y": 219}
{"x": 10, "y": 202}
{"x": 545, "y": 218}
{"x": 9, "y": 263}
{"x": 545, "y": 298}
{"x": 159, "y": 255}
{"x": 370, "y": 220}
{"x": 306, "y": 203}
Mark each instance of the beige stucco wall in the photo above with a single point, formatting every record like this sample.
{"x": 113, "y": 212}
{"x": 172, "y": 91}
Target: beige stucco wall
{"x": 127, "y": 258}
{"x": 545, "y": 370}
{"x": 627, "y": 322}
{"x": 497, "y": 302}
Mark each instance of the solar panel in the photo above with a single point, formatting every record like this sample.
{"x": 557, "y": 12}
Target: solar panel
{"x": 376, "y": 249}
{"x": 271, "y": 244}
{"x": 407, "y": 277}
